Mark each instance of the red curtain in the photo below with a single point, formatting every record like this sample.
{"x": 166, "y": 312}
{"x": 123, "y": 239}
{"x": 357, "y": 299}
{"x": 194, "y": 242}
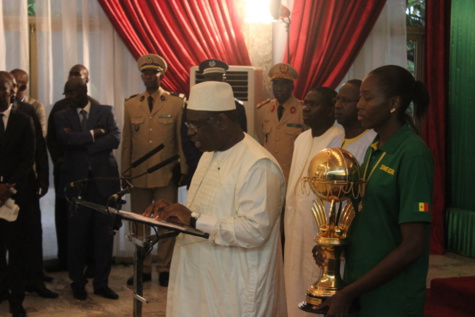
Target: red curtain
{"x": 184, "y": 32}
{"x": 436, "y": 77}
{"x": 325, "y": 38}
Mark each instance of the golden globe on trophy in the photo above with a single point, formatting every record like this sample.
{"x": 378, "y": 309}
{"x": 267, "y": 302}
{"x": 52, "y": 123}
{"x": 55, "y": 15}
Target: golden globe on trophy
{"x": 334, "y": 176}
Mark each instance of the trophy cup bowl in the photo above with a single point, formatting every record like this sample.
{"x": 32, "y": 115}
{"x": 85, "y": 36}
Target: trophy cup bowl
{"x": 334, "y": 176}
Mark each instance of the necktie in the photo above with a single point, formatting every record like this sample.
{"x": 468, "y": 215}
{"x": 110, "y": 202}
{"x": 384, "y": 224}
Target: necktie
{"x": 280, "y": 111}
{"x": 150, "y": 103}
{"x": 83, "y": 119}
{"x": 2, "y": 125}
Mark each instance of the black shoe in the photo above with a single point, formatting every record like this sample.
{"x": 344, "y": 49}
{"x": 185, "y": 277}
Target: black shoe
{"x": 17, "y": 310}
{"x": 163, "y": 278}
{"x": 106, "y": 292}
{"x": 41, "y": 290}
{"x": 47, "y": 279}
{"x": 56, "y": 268}
{"x": 79, "y": 292}
{"x": 89, "y": 272}
{"x": 146, "y": 277}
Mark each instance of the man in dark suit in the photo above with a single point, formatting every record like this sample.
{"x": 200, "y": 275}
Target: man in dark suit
{"x": 17, "y": 154}
{"x": 35, "y": 275}
{"x": 57, "y": 156}
{"x": 89, "y": 133}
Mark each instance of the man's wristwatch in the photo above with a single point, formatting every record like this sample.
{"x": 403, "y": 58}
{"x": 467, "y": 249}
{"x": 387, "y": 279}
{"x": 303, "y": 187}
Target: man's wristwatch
{"x": 194, "y": 217}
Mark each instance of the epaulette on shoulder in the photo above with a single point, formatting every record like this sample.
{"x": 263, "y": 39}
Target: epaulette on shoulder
{"x": 182, "y": 96}
{"x": 130, "y": 97}
{"x": 260, "y": 104}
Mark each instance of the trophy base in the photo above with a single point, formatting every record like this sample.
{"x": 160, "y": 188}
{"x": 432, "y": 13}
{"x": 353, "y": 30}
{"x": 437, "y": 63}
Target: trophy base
{"x": 307, "y": 307}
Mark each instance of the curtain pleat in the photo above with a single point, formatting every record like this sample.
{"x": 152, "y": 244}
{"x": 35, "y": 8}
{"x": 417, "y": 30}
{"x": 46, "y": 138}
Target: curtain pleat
{"x": 183, "y": 32}
{"x": 460, "y": 140}
{"x": 436, "y": 74}
{"x": 325, "y": 38}
{"x": 460, "y": 233}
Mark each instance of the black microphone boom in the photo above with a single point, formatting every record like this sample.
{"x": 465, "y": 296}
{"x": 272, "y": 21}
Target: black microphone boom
{"x": 162, "y": 164}
{"x": 119, "y": 194}
{"x": 158, "y": 166}
{"x": 147, "y": 156}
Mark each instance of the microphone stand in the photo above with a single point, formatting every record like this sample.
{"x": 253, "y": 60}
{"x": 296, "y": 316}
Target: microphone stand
{"x": 142, "y": 247}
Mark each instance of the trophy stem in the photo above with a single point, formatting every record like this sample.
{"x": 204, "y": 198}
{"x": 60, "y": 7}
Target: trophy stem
{"x": 330, "y": 280}
{"x": 332, "y": 216}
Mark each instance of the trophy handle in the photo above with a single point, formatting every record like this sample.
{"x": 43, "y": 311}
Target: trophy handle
{"x": 318, "y": 210}
{"x": 346, "y": 218}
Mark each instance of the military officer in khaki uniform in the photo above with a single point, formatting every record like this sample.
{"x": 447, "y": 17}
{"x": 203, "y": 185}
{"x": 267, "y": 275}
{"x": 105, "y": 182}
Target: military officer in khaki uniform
{"x": 150, "y": 119}
{"x": 279, "y": 121}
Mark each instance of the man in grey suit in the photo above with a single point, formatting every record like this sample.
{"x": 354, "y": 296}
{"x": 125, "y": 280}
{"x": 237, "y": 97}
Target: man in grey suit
{"x": 89, "y": 134}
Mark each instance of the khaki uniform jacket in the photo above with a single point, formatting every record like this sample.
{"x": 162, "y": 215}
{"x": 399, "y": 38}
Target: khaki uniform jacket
{"x": 143, "y": 131}
{"x": 278, "y": 136}
{"x": 40, "y": 111}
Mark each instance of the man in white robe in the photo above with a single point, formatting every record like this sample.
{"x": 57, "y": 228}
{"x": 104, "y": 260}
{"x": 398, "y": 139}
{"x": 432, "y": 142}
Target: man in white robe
{"x": 300, "y": 227}
{"x": 236, "y": 196}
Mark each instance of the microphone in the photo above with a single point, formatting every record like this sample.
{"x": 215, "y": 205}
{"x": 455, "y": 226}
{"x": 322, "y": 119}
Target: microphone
{"x": 157, "y": 166}
{"x": 78, "y": 182}
{"x": 163, "y": 163}
{"x": 145, "y": 157}
{"x": 119, "y": 194}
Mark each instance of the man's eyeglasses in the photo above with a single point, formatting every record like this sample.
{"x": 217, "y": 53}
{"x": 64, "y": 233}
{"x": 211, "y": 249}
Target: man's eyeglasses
{"x": 343, "y": 100}
{"x": 196, "y": 126}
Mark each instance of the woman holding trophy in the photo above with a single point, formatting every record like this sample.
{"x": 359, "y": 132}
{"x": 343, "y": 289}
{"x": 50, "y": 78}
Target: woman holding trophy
{"x": 387, "y": 253}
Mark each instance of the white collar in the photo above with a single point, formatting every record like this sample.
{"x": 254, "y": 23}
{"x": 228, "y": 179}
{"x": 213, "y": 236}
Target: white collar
{"x": 7, "y": 112}
{"x": 87, "y": 108}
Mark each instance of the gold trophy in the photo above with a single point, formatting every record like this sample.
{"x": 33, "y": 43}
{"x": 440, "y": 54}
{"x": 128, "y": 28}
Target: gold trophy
{"x": 334, "y": 176}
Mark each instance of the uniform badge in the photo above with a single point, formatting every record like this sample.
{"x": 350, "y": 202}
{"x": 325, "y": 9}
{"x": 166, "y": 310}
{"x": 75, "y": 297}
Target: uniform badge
{"x": 272, "y": 109}
{"x": 212, "y": 63}
{"x": 136, "y": 127}
{"x": 292, "y": 110}
{"x": 149, "y": 60}
{"x": 284, "y": 68}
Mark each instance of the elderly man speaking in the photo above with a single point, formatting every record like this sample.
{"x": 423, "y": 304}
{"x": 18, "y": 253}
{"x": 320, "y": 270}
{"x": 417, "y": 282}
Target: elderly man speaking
{"x": 236, "y": 196}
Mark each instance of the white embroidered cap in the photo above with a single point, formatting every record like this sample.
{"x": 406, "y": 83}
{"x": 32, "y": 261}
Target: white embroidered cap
{"x": 211, "y": 96}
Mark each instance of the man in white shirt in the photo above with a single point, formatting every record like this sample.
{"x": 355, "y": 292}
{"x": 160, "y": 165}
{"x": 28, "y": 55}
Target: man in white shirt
{"x": 236, "y": 196}
{"x": 300, "y": 228}
{"x": 356, "y": 139}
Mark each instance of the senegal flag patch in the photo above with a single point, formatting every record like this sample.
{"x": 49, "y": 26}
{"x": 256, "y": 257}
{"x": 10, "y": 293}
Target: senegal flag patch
{"x": 423, "y": 207}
